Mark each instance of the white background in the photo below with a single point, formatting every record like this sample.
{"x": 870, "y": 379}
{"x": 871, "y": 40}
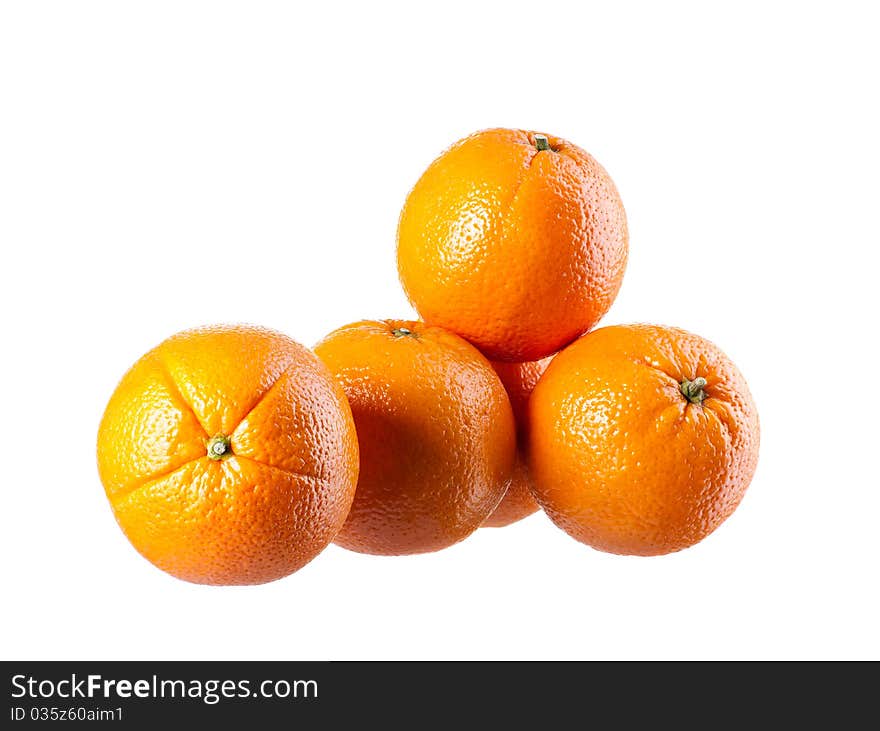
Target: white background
{"x": 170, "y": 164}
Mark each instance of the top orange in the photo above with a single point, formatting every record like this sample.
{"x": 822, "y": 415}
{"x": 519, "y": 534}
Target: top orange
{"x": 515, "y": 240}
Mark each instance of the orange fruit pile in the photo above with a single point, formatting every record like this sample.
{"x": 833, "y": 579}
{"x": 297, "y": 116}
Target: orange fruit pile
{"x": 233, "y": 455}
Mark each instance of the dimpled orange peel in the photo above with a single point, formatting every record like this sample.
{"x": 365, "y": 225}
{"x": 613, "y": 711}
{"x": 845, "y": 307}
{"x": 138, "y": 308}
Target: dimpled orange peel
{"x": 642, "y": 439}
{"x": 436, "y": 432}
{"x": 228, "y": 455}
{"x": 515, "y": 240}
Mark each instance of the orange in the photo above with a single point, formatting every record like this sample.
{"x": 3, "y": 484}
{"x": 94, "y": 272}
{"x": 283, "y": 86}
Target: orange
{"x": 519, "y": 380}
{"x": 436, "y": 432}
{"x": 515, "y": 240}
{"x": 229, "y": 455}
{"x": 643, "y": 439}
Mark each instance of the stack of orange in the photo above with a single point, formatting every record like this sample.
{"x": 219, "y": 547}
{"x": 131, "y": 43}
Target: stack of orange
{"x": 233, "y": 455}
